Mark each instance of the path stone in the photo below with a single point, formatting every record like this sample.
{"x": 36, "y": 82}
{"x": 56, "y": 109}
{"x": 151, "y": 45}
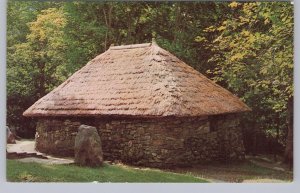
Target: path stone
{"x": 27, "y": 147}
{"x": 22, "y": 146}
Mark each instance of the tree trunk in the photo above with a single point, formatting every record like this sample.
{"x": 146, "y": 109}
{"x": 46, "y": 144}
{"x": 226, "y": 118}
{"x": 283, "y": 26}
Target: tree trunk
{"x": 254, "y": 147}
{"x": 288, "y": 154}
{"x": 177, "y": 20}
{"x": 107, "y": 19}
{"x": 276, "y": 142}
{"x": 41, "y": 81}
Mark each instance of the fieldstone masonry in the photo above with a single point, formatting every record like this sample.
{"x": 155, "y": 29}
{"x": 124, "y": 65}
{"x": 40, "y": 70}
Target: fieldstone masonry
{"x": 163, "y": 142}
{"x": 56, "y": 136}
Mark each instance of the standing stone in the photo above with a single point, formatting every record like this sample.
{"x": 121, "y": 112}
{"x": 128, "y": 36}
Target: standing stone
{"x": 10, "y": 137}
{"x": 88, "y": 150}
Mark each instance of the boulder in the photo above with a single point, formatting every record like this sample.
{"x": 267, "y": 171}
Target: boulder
{"x": 88, "y": 149}
{"x": 10, "y": 137}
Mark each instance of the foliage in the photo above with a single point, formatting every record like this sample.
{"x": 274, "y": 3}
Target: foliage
{"x": 21, "y": 73}
{"x": 253, "y": 54}
{"x": 42, "y": 53}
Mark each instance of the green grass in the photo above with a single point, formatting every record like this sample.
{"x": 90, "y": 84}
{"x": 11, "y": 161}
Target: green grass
{"x": 34, "y": 172}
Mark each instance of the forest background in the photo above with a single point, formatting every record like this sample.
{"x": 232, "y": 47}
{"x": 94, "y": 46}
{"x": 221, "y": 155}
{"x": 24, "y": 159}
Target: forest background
{"x": 246, "y": 48}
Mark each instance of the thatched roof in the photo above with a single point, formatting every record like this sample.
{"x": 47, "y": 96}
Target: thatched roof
{"x": 141, "y": 80}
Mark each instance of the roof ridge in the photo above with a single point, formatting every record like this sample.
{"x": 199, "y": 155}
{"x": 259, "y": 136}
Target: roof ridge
{"x": 131, "y": 46}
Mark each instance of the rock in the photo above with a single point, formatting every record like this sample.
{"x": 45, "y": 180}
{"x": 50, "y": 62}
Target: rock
{"x": 88, "y": 149}
{"x": 10, "y": 137}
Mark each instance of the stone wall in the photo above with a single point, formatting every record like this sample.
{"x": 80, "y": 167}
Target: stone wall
{"x": 151, "y": 142}
{"x": 56, "y": 136}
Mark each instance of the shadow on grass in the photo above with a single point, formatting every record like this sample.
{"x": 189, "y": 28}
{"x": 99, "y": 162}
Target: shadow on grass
{"x": 237, "y": 172}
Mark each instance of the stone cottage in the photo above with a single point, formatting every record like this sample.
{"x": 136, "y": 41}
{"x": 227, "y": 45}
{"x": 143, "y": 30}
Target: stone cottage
{"x": 149, "y": 107}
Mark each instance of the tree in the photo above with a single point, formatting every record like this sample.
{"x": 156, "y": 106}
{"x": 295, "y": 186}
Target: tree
{"x": 37, "y": 65}
{"x": 253, "y": 54}
{"x": 42, "y": 54}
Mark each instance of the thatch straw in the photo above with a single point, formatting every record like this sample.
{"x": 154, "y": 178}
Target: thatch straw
{"x": 141, "y": 80}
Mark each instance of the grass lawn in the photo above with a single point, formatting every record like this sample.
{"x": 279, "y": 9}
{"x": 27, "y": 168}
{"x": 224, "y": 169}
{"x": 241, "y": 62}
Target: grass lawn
{"x": 34, "y": 172}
